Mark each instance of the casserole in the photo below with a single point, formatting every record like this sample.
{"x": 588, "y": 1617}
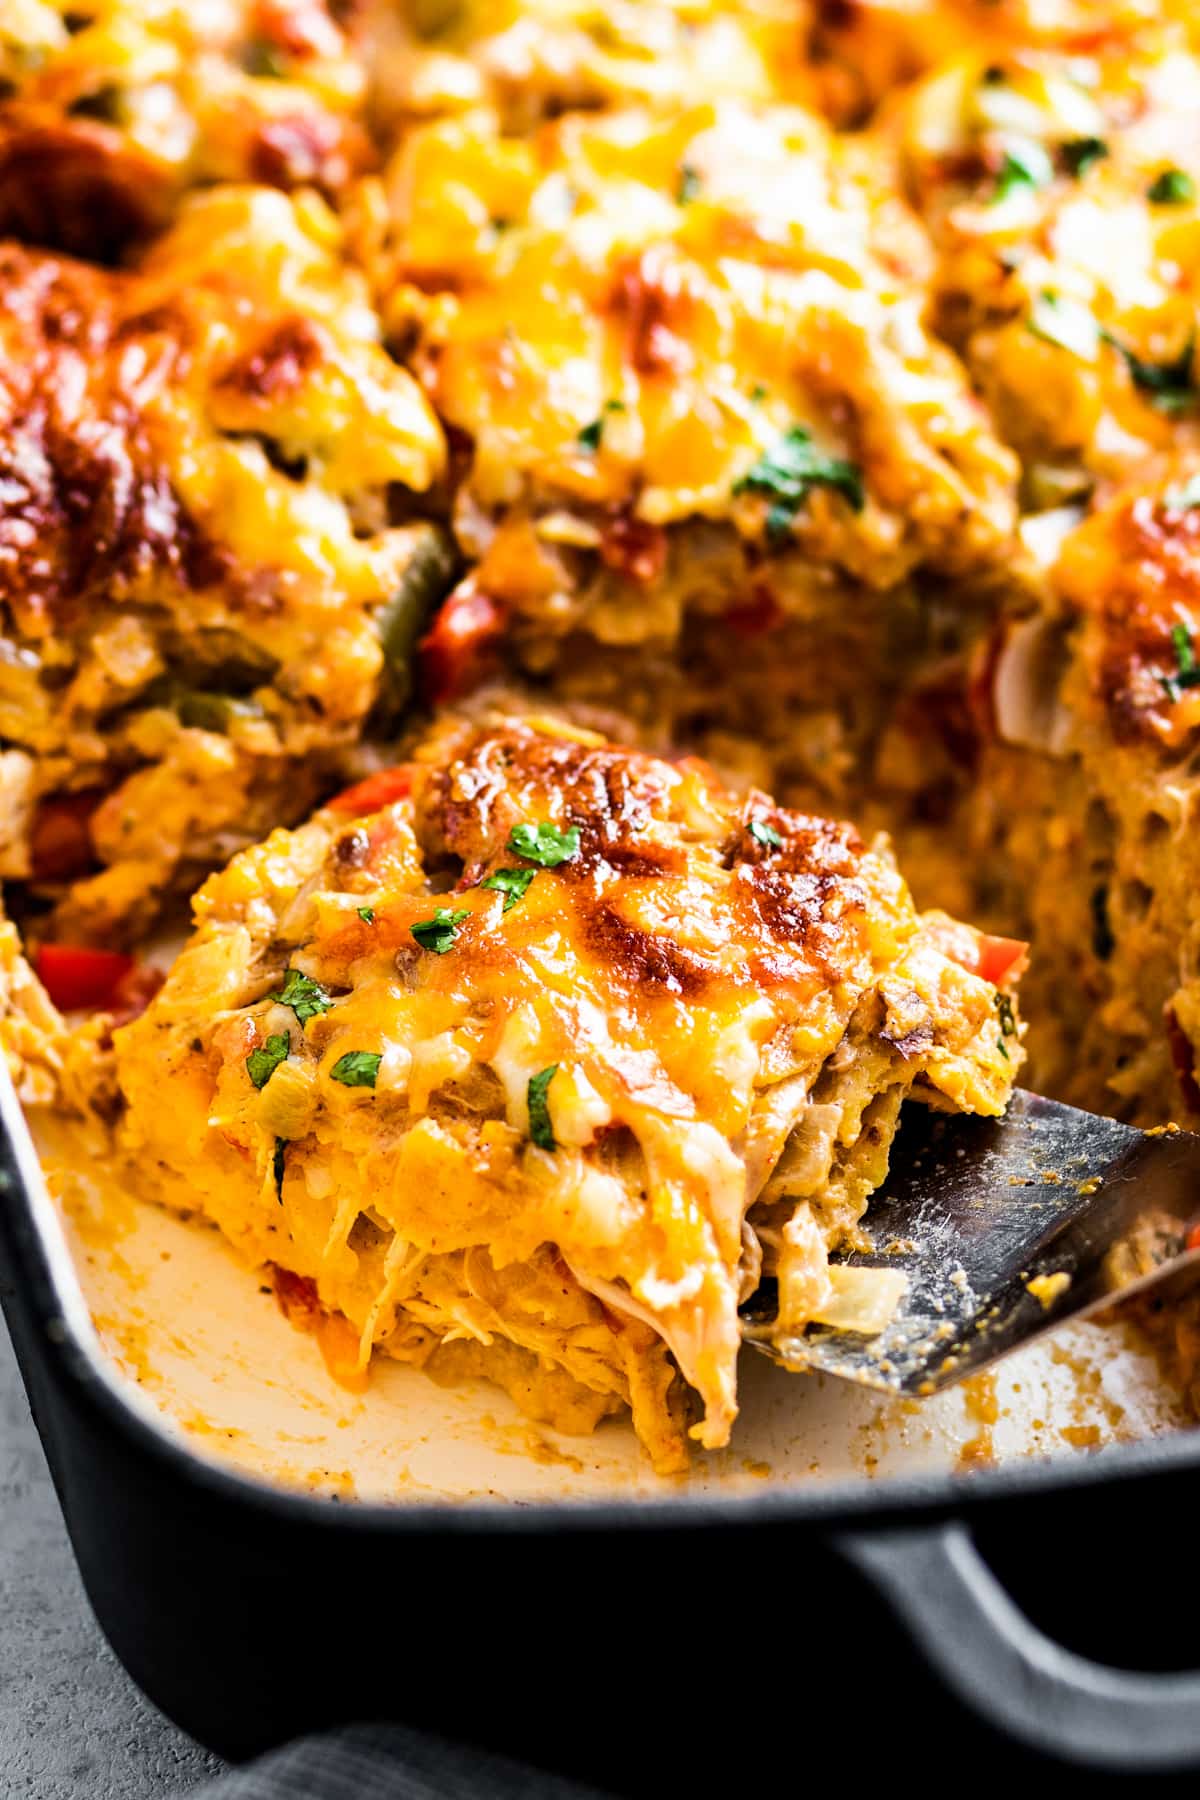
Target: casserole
{"x": 200, "y": 582}
{"x": 714, "y": 463}
{"x": 250, "y": 1613}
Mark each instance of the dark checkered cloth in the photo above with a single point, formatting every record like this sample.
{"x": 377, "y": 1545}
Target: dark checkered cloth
{"x": 386, "y": 1762}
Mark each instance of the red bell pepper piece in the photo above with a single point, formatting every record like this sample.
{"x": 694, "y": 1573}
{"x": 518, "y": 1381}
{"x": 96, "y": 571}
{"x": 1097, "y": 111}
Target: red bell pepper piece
{"x": 998, "y": 956}
{"x": 79, "y": 978}
{"x": 455, "y": 653}
{"x": 374, "y": 791}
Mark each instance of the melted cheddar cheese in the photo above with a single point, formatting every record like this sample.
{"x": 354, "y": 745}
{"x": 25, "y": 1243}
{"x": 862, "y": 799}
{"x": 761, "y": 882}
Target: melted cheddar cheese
{"x": 686, "y": 358}
{"x": 534, "y": 59}
{"x": 1062, "y": 196}
{"x": 110, "y": 109}
{"x": 554, "y": 1053}
{"x": 195, "y": 553}
{"x": 871, "y": 48}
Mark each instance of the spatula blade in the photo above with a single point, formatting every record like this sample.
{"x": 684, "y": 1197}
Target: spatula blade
{"x": 986, "y": 1217}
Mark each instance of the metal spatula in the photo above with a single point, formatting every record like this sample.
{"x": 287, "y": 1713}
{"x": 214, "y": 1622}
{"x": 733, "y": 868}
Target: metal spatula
{"x": 993, "y": 1214}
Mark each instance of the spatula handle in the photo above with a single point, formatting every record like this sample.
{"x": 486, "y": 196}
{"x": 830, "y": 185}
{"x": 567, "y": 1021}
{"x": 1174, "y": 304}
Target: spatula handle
{"x": 1001, "y": 1666}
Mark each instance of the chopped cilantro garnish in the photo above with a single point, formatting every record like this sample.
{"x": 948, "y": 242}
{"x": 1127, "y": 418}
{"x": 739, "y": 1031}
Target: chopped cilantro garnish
{"x": 765, "y": 834}
{"x": 1185, "y": 656}
{"x": 306, "y": 997}
{"x": 366, "y": 914}
{"x": 277, "y": 1160}
{"x": 590, "y": 436}
{"x": 1082, "y": 154}
{"x": 789, "y": 469}
{"x": 1173, "y": 187}
{"x": 758, "y": 393}
{"x": 1008, "y": 1023}
{"x": 1027, "y": 167}
{"x": 1169, "y": 385}
{"x": 357, "y": 1068}
{"x": 689, "y": 185}
{"x": 1065, "y": 323}
{"x": 262, "y": 1063}
{"x": 545, "y": 843}
{"x": 512, "y": 883}
{"x": 540, "y": 1128}
{"x": 438, "y": 934}
{"x": 1183, "y": 499}
{"x": 1186, "y": 673}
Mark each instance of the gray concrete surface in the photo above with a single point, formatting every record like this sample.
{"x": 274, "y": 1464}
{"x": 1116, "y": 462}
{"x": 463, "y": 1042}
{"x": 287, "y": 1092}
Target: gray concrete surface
{"x": 72, "y": 1724}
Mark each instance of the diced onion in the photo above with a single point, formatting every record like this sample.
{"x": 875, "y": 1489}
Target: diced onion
{"x": 861, "y": 1299}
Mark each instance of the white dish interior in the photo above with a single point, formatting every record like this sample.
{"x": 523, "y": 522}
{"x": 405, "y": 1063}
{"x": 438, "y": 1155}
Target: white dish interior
{"x": 200, "y": 1338}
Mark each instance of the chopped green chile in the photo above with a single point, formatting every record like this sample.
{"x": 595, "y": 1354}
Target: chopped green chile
{"x": 540, "y": 1128}
{"x": 1008, "y": 1023}
{"x": 428, "y": 576}
{"x": 214, "y": 712}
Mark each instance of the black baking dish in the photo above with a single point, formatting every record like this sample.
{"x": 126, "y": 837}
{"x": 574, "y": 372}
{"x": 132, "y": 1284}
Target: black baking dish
{"x": 1036, "y": 1614}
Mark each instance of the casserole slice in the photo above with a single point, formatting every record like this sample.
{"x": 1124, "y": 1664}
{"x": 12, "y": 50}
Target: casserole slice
{"x": 1081, "y": 797}
{"x": 527, "y": 1058}
{"x": 1062, "y": 195}
{"x": 204, "y": 592}
{"x": 709, "y": 460}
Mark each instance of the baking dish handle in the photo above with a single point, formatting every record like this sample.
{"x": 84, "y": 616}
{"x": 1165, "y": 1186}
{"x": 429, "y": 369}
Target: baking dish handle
{"x": 1001, "y": 1665}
